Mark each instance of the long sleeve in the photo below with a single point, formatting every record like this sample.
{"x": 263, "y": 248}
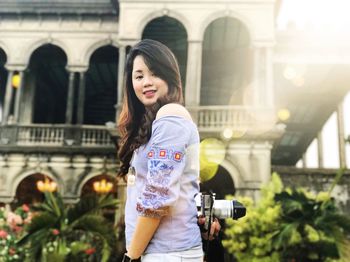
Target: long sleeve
{"x": 166, "y": 161}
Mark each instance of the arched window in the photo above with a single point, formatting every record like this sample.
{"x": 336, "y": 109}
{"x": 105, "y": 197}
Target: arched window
{"x": 173, "y": 34}
{"x": 101, "y": 86}
{"x": 221, "y": 184}
{"x": 27, "y": 191}
{"x": 226, "y": 63}
{"x": 47, "y": 85}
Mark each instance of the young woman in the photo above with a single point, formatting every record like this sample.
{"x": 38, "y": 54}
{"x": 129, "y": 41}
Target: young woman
{"x": 159, "y": 160}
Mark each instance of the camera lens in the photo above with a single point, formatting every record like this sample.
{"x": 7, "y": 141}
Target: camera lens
{"x": 228, "y": 209}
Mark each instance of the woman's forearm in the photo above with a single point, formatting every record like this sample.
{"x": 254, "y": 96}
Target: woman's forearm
{"x": 144, "y": 231}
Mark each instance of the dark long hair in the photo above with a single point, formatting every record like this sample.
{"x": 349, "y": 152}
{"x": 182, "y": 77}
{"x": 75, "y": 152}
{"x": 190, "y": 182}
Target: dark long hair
{"x": 135, "y": 120}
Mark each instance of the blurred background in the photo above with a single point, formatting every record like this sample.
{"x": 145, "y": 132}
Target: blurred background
{"x": 266, "y": 81}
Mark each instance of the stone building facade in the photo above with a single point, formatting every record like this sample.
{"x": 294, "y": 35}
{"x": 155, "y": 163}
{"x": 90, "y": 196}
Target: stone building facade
{"x": 68, "y": 59}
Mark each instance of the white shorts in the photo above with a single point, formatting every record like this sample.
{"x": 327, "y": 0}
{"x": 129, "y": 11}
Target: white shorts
{"x": 194, "y": 254}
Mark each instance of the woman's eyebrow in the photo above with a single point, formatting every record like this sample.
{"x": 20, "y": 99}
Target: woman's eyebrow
{"x": 138, "y": 71}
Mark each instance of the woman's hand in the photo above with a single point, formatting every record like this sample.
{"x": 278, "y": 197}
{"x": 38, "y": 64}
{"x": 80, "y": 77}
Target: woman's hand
{"x": 214, "y": 228}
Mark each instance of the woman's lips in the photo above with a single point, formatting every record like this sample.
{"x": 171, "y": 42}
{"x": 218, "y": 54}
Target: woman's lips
{"x": 149, "y": 94}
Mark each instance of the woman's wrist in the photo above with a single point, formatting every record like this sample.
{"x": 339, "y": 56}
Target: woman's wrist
{"x": 128, "y": 258}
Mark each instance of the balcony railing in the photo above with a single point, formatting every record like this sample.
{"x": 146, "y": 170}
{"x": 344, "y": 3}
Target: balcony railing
{"x": 209, "y": 119}
{"x": 238, "y": 118}
{"x": 47, "y": 135}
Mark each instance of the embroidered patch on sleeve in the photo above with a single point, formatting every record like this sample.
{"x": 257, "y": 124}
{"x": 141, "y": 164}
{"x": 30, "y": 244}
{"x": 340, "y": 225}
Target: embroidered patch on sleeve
{"x": 178, "y": 156}
{"x": 150, "y": 154}
{"x": 162, "y": 153}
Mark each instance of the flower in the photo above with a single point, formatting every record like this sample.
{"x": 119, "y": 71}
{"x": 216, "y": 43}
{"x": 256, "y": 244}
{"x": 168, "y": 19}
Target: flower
{"x": 25, "y": 208}
{"x": 55, "y": 232}
{"x": 14, "y": 219}
{"x": 12, "y": 251}
{"x": 3, "y": 234}
{"x": 11, "y": 229}
{"x": 90, "y": 251}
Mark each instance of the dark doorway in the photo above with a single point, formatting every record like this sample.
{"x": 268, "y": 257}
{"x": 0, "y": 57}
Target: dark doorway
{"x": 101, "y": 86}
{"x": 173, "y": 34}
{"x": 50, "y": 78}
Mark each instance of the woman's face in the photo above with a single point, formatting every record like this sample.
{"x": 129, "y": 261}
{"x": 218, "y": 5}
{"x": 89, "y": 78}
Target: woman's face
{"x": 148, "y": 87}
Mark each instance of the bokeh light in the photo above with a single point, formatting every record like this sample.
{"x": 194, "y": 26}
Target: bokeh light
{"x": 16, "y": 81}
{"x": 290, "y": 72}
{"x": 283, "y": 114}
{"x": 212, "y": 153}
{"x": 227, "y": 133}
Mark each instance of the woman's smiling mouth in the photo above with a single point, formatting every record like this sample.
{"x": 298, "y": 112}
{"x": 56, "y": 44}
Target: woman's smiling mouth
{"x": 149, "y": 93}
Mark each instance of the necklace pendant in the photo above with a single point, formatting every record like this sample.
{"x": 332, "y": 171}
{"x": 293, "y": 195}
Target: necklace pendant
{"x": 131, "y": 176}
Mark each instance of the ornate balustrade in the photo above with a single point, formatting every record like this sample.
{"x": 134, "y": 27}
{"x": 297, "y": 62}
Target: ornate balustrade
{"x": 209, "y": 119}
{"x": 46, "y": 135}
{"x": 248, "y": 120}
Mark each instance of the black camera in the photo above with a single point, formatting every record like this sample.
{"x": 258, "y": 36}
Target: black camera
{"x": 208, "y": 206}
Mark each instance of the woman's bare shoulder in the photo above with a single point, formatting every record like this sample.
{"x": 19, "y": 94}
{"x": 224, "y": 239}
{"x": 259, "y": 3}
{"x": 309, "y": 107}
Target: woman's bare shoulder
{"x": 173, "y": 110}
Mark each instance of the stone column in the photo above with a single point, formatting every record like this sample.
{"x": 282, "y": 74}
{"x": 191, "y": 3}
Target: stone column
{"x": 320, "y": 150}
{"x": 121, "y": 66}
{"x": 341, "y": 135}
{"x": 257, "y": 78}
{"x": 8, "y": 97}
{"x": 193, "y": 74}
{"x": 263, "y": 93}
{"x": 81, "y": 99}
{"x": 18, "y": 99}
{"x": 270, "y": 97}
{"x": 304, "y": 161}
{"x": 27, "y": 100}
{"x": 70, "y": 98}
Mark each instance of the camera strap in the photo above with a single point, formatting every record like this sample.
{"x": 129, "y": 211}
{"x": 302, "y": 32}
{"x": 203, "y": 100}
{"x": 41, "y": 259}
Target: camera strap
{"x": 212, "y": 199}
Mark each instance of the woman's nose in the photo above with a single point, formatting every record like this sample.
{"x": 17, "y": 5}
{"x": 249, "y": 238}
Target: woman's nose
{"x": 148, "y": 81}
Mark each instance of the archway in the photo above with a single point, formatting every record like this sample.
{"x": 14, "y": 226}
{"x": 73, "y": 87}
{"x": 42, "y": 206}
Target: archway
{"x": 221, "y": 184}
{"x": 172, "y": 33}
{"x": 226, "y": 62}
{"x": 27, "y": 191}
{"x": 3, "y": 80}
{"x": 88, "y": 187}
{"x": 101, "y": 86}
{"x": 47, "y": 85}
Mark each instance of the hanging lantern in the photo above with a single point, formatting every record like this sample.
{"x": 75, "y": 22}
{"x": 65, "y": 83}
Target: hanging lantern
{"x": 46, "y": 185}
{"x": 103, "y": 186}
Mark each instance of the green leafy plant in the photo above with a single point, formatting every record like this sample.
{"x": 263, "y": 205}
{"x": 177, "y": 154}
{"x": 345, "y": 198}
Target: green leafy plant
{"x": 290, "y": 225}
{"x": 249, "y": 238}
{"x": 312, "y": 227}
{"x": 70, "y": 233}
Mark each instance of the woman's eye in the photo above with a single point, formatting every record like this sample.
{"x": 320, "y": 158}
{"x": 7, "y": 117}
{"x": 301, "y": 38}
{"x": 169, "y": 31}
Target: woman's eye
{"x": 138, "y": 77}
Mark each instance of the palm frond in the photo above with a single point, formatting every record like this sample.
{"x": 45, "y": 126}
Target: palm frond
{"x": 55, "y": 202}
{"x": 36, "y": 241}
{"x": 95, "y": 224}
{"x": 98, "y": 226}
{"x": 89, "y": 205}
{"x": 337, "y": 179}
{"x": 281, "y": 239}
{"x": 43, "y": 220}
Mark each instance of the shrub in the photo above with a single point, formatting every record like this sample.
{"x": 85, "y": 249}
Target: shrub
{"x": 289, "y": 225}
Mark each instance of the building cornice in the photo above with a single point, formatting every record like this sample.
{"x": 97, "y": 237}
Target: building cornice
{"x": 62, "y": 7}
